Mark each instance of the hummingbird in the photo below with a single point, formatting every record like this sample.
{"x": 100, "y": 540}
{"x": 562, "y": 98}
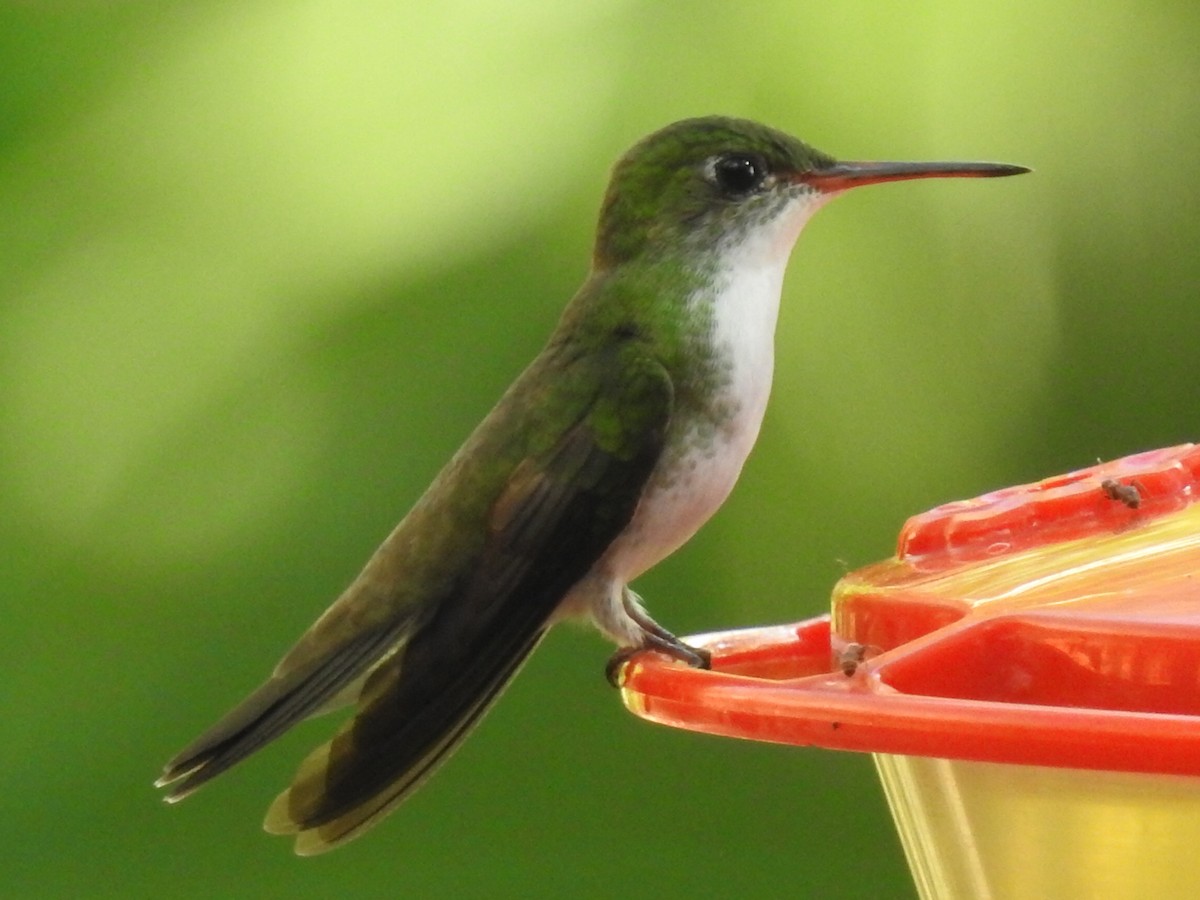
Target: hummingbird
{"x": 620, "y": 439}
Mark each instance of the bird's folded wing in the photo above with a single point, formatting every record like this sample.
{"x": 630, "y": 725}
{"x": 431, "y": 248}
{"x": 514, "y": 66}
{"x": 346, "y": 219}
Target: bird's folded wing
{"x": 555, "y": 516}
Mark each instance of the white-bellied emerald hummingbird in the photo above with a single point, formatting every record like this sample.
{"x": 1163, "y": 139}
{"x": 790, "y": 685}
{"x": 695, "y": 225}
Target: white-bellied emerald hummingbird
{"x": 611, "y": 449}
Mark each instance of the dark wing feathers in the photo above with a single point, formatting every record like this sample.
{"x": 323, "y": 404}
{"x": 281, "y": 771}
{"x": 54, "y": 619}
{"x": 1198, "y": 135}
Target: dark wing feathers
{"x": 553, "y": 518}
{"x": 271, "y": 710}
{"x": 388, "y": 750}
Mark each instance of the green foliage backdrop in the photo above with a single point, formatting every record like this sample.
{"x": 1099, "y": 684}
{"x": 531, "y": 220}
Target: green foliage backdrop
{"x": 264, "y": 264}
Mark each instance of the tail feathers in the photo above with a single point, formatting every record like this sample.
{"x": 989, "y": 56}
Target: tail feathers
{"x": 410, "y": 722}
{"x": 281, "y": 702}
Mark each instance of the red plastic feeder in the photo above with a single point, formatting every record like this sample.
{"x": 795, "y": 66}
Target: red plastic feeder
{"x": 1026, "y": 670}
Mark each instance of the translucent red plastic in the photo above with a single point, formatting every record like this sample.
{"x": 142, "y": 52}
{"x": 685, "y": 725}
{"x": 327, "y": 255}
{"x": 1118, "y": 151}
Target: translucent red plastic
{"x": 1055, "y": 623}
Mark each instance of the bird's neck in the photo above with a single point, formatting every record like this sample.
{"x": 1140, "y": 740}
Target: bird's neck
{"x": 708, "y": 314}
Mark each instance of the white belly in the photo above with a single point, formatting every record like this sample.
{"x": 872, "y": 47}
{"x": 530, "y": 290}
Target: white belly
{"x": 682, "y": 498}
{"x": 674, "y": 507}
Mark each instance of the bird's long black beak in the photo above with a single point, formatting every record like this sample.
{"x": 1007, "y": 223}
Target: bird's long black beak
{"x": 845, "y": 175}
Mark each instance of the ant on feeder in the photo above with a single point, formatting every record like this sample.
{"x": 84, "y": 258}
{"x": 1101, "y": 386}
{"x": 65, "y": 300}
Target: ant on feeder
{"x": 1124, "y": 493}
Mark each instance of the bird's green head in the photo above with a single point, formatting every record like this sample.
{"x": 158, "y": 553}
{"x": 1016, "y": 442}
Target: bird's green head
{"x": 701, "y": 184}
{"x": 696, "y": 182}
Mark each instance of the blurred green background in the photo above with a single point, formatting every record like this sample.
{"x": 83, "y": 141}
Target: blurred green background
{"x": 263, "y": 265}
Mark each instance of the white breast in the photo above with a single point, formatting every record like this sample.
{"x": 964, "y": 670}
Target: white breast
{"x": 746, "y": 310}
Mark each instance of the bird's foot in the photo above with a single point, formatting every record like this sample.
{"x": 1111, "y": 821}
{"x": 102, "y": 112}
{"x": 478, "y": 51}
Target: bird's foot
{"x": 663, "y": 642}
{"x": 654, "y": 637}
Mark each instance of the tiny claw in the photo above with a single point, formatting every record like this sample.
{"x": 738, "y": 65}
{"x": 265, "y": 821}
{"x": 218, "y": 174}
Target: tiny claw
{"x": 694, "y": 657}
{"x": 615, "y": 666}
{"x": 699, "y": 658}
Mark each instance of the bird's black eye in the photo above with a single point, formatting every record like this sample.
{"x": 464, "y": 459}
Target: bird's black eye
{"x": 739, "y": 173}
